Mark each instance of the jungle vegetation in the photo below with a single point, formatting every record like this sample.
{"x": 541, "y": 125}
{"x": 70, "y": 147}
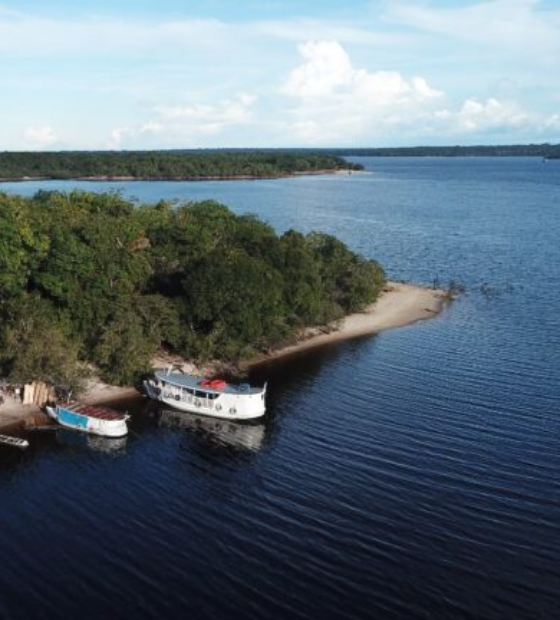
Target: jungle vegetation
{"x": 90, "y": 278}
{"x": 166, "y": 164}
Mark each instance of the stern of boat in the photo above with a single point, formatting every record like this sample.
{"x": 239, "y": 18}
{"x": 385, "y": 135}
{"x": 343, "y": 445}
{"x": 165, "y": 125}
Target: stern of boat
{"x": 151, "y": 390}
{"x": 51, "y": 412}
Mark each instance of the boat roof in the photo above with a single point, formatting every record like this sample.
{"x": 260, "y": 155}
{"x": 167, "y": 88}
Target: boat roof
{"x": 94, "y": 411}
{"x": 181, "y": 379}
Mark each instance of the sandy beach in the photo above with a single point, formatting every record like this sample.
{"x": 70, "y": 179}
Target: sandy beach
{"x": 399, "y": 305}
{"x": 13, "y": 415}
{"x": 104, "y": 178}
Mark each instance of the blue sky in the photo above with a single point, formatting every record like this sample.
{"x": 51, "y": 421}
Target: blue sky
{"x": 217, "y": 73}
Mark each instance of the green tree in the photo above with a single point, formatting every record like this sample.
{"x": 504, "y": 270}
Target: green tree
{"x": 36, "y": 347}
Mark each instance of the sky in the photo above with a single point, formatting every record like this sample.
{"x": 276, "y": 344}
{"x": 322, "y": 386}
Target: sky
{"x": 277, "y": 73}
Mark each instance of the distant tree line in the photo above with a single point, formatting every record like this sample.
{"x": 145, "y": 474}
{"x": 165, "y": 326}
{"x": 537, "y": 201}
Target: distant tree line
{"x": 548, "y": 151}
{"x": 166, "y": 164}
{"x": 93, "y": 278}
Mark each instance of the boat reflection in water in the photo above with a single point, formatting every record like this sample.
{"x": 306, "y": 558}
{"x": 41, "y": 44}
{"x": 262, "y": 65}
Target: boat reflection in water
{"x": 75, "y": 439}
{"x": 240, "y": 435}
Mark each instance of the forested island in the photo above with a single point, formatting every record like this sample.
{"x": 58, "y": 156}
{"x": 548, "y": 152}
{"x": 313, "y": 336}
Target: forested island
{"x": 167, "y": 165}
{"x": 95, "y": 281}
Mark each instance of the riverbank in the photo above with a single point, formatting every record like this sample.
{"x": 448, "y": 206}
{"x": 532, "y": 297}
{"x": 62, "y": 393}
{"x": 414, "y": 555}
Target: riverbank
{"x": 399, "y": 305}
{"x": 189, "y": 178}
{"x": 15, "y": 416}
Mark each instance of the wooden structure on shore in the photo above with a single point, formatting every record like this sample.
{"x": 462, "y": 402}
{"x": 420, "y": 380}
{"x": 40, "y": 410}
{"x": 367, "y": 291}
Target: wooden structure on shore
{"x": 38, "y": 393}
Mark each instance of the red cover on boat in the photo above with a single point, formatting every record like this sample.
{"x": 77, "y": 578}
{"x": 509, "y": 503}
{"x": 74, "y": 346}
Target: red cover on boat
{"x": 93, "y": 411}
{"x": 215, "y": 384}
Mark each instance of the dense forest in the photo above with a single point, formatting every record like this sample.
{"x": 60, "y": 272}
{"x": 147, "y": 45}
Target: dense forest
{"x": 166, "y": 164}
{"x": 94, "y": 279}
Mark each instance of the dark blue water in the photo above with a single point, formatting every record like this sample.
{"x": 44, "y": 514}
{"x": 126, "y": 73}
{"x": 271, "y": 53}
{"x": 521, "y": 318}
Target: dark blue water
{"x": 412, "y": 475}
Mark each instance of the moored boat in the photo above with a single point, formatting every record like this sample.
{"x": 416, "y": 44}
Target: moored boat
{"x": 215, "y": 398}
{"x": 90, "y": 419}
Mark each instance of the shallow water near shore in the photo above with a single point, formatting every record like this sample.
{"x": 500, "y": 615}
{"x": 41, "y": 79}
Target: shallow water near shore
{"x": 414, "y": 474}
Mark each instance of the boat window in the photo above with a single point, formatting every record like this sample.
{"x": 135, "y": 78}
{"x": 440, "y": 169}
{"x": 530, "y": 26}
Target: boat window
{"x": 207, "y": 395}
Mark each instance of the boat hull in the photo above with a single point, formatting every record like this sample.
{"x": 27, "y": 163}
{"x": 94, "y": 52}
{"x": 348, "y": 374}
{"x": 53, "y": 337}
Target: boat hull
{"x": 224, "y": 406}
{"x": 72, "y": 420}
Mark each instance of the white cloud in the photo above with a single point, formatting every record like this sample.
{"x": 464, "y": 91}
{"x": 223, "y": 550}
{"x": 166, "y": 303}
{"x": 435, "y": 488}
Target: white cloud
{"x": 335, "y": 101}
{"x": 120, "y": 135}
{"x": 186, "y": 124}
{"x": 30, "y": 35}
{"x": 38, "y": 138}
{"x": 521, "y": 27}
{"x": 491, "y": 114}
{"x": 328, "y": 70}
{"x": 225, "y": 113}
{"x": 553, "y": 122}
{"x": 297, "y": 30}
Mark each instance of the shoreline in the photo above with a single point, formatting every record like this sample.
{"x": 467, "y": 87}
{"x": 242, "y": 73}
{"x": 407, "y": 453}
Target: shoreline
{"x": 15, "y": 417}
{"x": 398, "y": 305}
{"x": 189, "y": 178}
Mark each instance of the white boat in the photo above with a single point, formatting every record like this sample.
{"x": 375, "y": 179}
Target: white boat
{"x": 90, "y": 419}
{"x": 213, "y": 398}
{"x": 15, "y": 442}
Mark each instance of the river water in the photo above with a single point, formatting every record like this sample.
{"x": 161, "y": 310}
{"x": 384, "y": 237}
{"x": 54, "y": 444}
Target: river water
{"x": 413, "y": 475}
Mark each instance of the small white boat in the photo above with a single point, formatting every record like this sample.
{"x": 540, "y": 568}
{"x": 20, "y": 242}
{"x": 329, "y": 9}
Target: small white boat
{"x": 15, "y": 442}
{"x": 90, "y": 419}
{"x": 212, "y": 398}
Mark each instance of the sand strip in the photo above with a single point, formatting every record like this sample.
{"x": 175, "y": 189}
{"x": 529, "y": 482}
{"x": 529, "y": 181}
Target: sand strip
{"x": 13, "y": 415}
{"x": 399, "y": 305}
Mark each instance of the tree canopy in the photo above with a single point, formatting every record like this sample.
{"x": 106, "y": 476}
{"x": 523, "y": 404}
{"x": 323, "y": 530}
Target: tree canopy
{"x": 92, "y": 278}
{"x": 166, "y": 164}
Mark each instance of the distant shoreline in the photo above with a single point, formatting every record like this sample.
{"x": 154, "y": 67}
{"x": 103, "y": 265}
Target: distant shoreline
{"x": 127, "y": 179}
